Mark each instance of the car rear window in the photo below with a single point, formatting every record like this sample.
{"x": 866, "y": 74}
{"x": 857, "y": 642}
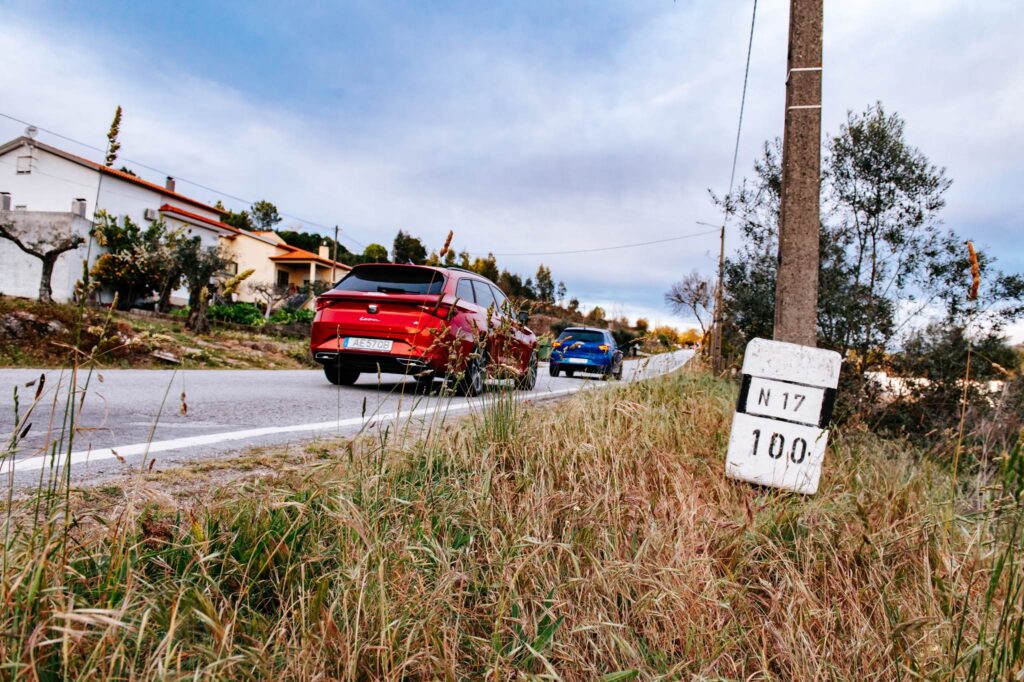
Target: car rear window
{"x": 586, "y": 335}
{"x": 393, "y": 279}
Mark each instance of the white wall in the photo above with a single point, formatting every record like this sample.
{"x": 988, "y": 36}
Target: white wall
{"x": 19, "y": 272}
{"x": 52, "y": 185}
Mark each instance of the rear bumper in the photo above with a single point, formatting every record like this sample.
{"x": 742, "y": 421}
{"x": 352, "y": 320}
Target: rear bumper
{"x": 376, "y": 362}
{"x": 591, "y": 364}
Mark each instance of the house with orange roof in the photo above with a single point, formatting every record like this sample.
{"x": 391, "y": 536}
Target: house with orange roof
{"x": 43, "y": 184}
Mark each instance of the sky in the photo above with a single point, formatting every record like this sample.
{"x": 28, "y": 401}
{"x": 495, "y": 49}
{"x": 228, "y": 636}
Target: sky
{"x": 525, "y": 127}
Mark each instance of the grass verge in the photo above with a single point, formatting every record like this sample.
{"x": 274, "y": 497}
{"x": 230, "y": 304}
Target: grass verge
{"x": 592, "y": 538}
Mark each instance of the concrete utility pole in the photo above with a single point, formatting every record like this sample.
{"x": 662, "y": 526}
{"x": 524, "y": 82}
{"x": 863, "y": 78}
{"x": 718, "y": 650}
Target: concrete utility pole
{"x": 796, "y": 286}
{"x": 716, "y": 330}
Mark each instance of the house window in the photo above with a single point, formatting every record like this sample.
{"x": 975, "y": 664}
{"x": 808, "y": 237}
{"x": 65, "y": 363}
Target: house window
{"x": 20, "y": 207}
{"x": 24, "y": 165}
{"x": 232, "y": 268}
{"x": 282, "y": 278}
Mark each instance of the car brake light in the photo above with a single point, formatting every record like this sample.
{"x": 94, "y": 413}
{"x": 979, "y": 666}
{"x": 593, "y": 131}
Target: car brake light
{"x": 322, "y": 303}
{"x": 556, "y": 344}
{"x": 603, "y": 346}
{"x": 442, "y": 311}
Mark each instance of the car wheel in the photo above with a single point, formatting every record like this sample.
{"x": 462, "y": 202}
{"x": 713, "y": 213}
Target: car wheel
{"x": 569, "y": 373}
{"x": 472, "y": 381}
{"x": 340, "y": 376}
{"x": 553, "y": 369}
{"x": 529, "y": 378}
{"x": 606, "y": 374}
{"x": 618, "y": 372}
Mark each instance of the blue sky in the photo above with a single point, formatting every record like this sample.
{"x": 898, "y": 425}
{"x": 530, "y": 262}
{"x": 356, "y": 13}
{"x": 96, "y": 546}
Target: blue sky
{"x": 526, "y": 126}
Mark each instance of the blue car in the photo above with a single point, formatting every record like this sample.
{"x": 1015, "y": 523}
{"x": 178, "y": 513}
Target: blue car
{"x": 578, "y": 349}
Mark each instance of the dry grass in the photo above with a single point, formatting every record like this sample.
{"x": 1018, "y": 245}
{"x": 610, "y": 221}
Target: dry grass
{"x": 593, "y": 538}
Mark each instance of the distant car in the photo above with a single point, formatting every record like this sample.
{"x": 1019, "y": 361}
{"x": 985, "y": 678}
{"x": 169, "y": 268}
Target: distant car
{"x": 422, "y": 321}
{"x": 578, "y": 349}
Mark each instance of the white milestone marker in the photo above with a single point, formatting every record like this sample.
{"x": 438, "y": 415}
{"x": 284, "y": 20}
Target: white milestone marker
{"x": 778, "y": 434}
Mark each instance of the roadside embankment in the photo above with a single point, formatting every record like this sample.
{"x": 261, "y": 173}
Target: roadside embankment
{"x": 592, "y": 538}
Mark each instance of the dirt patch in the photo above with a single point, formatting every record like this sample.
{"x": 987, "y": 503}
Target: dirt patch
{"x": 36, "y": 335}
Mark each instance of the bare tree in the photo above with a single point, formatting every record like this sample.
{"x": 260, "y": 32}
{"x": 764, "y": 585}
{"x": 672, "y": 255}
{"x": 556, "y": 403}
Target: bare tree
{"x": 45, "y": 247}
{"x": 269, "y": 292}
{"x": 692, "y": 294}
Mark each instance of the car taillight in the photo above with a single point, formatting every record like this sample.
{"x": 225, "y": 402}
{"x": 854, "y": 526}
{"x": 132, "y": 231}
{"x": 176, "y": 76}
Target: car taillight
{"x": 442, "y": 311}
{"x": 322, "y": 303}
{"x": 556, "y": 344}
{"x": 604, "y": 347}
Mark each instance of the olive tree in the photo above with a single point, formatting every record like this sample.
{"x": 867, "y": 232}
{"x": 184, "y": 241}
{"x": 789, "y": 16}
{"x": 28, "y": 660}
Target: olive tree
{"x": 46, "y": 244}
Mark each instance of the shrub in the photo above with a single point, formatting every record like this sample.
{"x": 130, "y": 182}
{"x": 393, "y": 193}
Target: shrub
{"x": 238, "y": 313}
{"x": 289, "y": 316}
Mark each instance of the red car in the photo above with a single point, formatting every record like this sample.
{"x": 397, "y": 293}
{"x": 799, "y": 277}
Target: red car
{"x": 422, "y": 321}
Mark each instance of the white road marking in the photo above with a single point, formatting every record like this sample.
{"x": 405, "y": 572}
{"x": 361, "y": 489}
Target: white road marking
{"x": 135, "y": 449}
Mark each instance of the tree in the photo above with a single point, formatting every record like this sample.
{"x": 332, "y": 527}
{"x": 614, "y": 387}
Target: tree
{"x": 375, "y": 253}
{"x": 691, "y": 337}
{"x": 408, "y": 249}
{"x": 271, "y": 293}
{"x": 200, "y": 265}
{"x": 113, "y": 146}
{"x": 545, "y": 284}
{"x": 881, "y": 242}
{"x": 311, "y": 241}
{"x": 642, "y": 324}
{"x": 449, "y": 258}
{"x": 692, "y": 295}
{"x": 886, "y": 261}
{"x": 242, "y": 220}
{"x": 47, "y": 245}
{"x": 264, "y": 216}
{"x": 596, "y": 316}
{"x": 560, "y": 293}
{"x": 139, "y": 261}
{"x": 574, "y": 305}
{"x": 487, "y": 267}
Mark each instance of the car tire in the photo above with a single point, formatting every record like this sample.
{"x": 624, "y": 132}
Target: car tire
{"x": 570, "y": 372}
{"x": 553, "y": 369}
{"x": 529, "y": 378}
{"x": 471, "y": 383}
{"x": 340, "y": 376}
{"x": 606, "y": 374}
{"x": 618, "y": 372}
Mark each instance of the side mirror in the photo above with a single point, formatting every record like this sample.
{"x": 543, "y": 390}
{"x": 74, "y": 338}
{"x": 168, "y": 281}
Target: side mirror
{"x": 523, "y": 317}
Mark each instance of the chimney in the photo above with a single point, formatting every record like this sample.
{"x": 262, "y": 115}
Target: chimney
{"x": 5, "y": 201}
{"x": 325, "y": 251}
{"x": 169, "y": 184}
{"x": 78, "y": 207}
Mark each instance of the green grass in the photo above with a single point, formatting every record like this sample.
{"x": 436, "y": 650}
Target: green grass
{"x": 591, "y": 538}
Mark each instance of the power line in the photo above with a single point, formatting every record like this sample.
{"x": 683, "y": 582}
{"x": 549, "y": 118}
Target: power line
{"x": 743, "y": 101}
{"x": 716, "y": 336}
{"x": 602, "y": 248}
{"x": 178, "y": 178}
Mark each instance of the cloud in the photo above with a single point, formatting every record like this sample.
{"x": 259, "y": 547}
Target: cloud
{"x": 531, "y": 130}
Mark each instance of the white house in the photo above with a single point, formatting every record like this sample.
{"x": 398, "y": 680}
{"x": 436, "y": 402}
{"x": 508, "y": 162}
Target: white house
{"x": 40, "y": 178}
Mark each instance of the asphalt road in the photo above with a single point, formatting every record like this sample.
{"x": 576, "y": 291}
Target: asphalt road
{"x": 130, "y": 417}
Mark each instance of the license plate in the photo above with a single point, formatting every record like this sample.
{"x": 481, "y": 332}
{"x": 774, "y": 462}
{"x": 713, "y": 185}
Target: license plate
{"x": 577, "y": 361}
{"x": 380, "y": 345}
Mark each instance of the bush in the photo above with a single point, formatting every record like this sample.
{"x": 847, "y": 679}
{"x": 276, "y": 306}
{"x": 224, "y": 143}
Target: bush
{"x": 289, "y": 316}
{"x": 238, "y": 313}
